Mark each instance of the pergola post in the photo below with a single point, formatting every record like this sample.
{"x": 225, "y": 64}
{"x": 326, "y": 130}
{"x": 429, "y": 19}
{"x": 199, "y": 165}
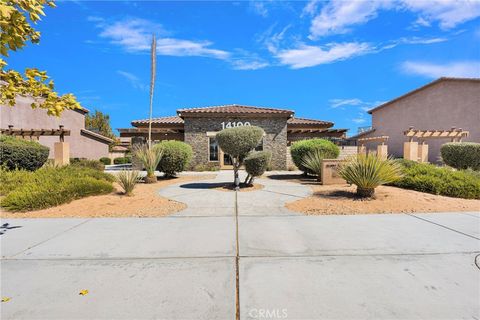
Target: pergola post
{"x": 61, "y": 153}
{"x": 361, "y": 149}
{"x": 410, "y": 150}
{"x": 382, "y": 151}
{"x": 423, "y": 152}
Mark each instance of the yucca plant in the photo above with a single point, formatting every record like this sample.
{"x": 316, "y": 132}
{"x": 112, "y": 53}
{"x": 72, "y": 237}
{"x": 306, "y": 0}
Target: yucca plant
{"x": 150, "y": 157}
{"x": 127, "y": 179}
{"x": 368, "y": 172}
{"x": 313, "y": 162}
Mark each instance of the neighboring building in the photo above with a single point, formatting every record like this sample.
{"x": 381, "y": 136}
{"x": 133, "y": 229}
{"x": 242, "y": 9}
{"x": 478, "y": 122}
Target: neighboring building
{"x": 439, "y": 105}
{"x": 83, "y": 143}
{"x": 198, "y": 127}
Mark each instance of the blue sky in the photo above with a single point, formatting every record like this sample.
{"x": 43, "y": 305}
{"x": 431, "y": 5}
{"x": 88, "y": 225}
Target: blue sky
{"x": 326, "y": 60}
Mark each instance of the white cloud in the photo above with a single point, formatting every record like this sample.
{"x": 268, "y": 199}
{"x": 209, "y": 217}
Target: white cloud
{"x": 468, "y": 69}
{"x": 359, "y": 120}
{"x": 135, "y": 35}
{"x": 259, "y": 7}
{"x": 354, "y": 102}
{"x": 307, "y": 56}
{"x": 338, "y": 16}
{"x": 133, "y": 80}
{"x": 449, "y": 13}
{"x": 246, "y": 64}
{"x": 335, "y": 103}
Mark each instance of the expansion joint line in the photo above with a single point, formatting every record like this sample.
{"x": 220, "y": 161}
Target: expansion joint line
{"x": 237, "y": 262}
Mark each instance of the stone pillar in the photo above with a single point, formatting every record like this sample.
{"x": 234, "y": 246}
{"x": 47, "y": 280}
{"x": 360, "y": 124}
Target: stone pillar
{"x": 362, "y": 149}
{"x": 423, "y": 152}
{"x": 382, "y": 151}
{"x": 61, "y": 152}
{"x": 410, "y": 150}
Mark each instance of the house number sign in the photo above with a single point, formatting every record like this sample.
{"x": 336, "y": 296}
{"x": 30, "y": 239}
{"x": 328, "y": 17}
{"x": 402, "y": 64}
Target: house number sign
{"x": 233, "y": 124}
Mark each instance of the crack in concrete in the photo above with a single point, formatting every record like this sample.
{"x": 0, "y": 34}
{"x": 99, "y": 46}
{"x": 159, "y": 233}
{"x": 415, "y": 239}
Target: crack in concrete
{"x": 443, "y": 226}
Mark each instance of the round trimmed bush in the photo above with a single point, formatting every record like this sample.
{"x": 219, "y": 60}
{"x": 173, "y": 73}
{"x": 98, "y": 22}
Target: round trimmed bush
{"x": 300, "y": 149}
{"x": 176, "y": 156}
{"x": 122, "y": 160}
{"x": 105, "y": 160}
{"x": 239, "y": 141}
{"x": 256, "y": 163}
{"x": 22, "y": 154}
{"x": 461, "y": 155}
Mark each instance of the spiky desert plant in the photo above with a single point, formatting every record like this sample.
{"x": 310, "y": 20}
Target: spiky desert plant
{"x": 313, "y": 161}
{"x": 368, "y": 172}
{"x": 150, "y": 157}
{"x": 127, "y": 179}
{"x": 153, "y": 69}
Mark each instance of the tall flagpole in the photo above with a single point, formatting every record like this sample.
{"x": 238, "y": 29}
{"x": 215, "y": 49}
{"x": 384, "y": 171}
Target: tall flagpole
{"x": 153, "y": 68}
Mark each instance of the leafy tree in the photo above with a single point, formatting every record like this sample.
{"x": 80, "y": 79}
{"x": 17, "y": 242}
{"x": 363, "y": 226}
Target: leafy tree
{"x": 237, "y": 143}
{"x": 99, "y": 122}
{"x": 16, "y": 19}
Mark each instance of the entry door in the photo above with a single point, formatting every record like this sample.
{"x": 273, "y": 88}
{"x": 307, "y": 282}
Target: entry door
{"x": 225, "y": 161}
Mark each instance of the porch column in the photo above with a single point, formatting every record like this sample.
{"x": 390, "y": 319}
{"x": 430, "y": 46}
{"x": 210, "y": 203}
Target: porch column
{"x": 382, "y": 151}
{"x": 423, "y": 152}
{"x": 61, "y": 153}
{"x": 410, "y": 150}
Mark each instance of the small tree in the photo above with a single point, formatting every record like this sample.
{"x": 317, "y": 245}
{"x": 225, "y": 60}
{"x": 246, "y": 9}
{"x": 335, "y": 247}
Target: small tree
{"x": 237, "y": 143}
{"x": 256, "y": 164}
{"x": 176, "y": 156}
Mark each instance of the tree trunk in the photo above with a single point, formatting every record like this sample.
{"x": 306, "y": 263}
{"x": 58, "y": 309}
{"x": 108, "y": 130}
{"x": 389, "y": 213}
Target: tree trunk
{"x": 235, "y": 173}
{"x": 365, "y": 193}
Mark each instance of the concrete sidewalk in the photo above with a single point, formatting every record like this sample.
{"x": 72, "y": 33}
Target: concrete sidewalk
{"x": 291, "y": 266}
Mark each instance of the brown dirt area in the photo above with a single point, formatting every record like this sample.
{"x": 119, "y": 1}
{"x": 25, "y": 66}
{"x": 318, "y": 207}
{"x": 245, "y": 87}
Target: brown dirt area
{"x": 145, "y": 202}
{"x": 340, "y": 199}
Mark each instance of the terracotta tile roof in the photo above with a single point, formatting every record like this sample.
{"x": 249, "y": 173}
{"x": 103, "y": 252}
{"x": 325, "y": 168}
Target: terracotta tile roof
{"x": 235, "y": 109}
{"x": 304, "y": 121}
{"x": 162, "y": 120}
{"x": 442, "y": 79}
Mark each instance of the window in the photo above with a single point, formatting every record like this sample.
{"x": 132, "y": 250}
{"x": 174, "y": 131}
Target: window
{"x": 213, "y": 149}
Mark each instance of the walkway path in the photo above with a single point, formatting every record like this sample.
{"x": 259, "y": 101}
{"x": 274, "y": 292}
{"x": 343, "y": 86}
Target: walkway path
{"x": 184, "y": 266}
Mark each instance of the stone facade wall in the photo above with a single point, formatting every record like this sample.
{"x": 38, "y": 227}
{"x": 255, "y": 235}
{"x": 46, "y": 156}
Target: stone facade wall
{"x": 275, "y": 139}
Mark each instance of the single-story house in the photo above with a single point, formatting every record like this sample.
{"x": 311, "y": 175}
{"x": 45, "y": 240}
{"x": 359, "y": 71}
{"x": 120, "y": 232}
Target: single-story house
{"x": 198, "y": 127}
{"x": 439, "y": 105}
{"x": 83, "y": 143}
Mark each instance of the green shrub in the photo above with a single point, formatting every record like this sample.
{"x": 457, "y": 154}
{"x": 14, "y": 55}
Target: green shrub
{"x": 206, "y": 167}
{"x": 239, "y": 141}
{"x": 127, "y": 179}
{"x": 51, "y": 186}
{"x": 461, "y": 155}
{"x": 122, "y": 160}
{"x": 441, "y": 181}
{"x": 85, "y": 163}
{"x": 300, "y": 149}
{"x": 105, "y": 160}
{"x": 22, "y": 154}
{"x": 368, "y": 172}
{"x": 256, "y": 163}
{"x": 176, "y": 157}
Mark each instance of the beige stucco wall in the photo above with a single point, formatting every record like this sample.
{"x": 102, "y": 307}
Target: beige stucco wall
{"x": 447, "y": 104}
{"x": 22, "y": 116}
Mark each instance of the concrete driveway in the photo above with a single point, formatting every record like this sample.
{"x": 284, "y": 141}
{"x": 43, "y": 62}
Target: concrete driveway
{"x": 289, "y": 266}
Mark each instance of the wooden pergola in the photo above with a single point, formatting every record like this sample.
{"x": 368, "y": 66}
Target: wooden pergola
{"x": 36, "y": 133}
{"x": 382, "y": 148}
{"x": 413, "y": 151}
{"x": 456, "y": 135}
